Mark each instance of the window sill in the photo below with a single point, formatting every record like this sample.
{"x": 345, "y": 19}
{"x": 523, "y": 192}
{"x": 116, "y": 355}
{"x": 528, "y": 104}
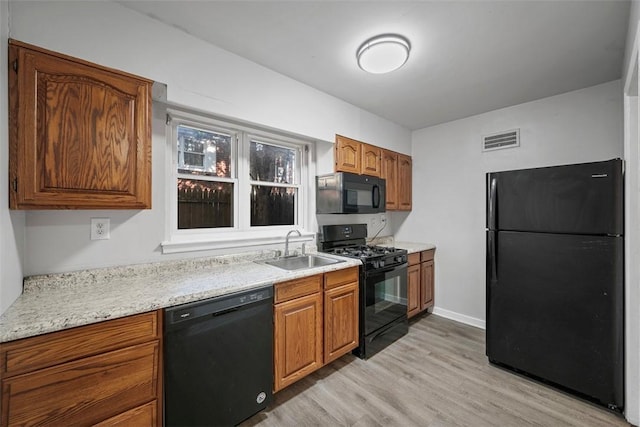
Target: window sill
{"x": 178, "y": 244}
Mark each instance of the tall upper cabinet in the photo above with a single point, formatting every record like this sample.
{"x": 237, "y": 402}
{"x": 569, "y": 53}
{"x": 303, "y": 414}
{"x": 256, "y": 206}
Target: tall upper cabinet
{"x": 80, "y": 133}
{"x": 405, "y": 174}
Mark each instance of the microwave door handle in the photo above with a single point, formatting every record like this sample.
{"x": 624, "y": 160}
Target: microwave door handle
{"x": 375, "y": 194}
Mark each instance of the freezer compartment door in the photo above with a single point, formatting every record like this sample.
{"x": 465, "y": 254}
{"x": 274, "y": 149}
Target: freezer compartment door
{"x": 555, "y": 310}
{"x": 575, "y": 199}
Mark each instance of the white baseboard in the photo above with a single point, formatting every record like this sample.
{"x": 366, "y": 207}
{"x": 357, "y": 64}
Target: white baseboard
{"x": 462, "y": 318}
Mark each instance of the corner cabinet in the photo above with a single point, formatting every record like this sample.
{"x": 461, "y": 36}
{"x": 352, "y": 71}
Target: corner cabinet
{"x": 80, "y": 133}
{"x": 390, "y": 175}
{"x": 420, "y": 283}
{"x": 315, "y": 322}
{"x": 108, "y": 373}
{"x": 405, "y": 176}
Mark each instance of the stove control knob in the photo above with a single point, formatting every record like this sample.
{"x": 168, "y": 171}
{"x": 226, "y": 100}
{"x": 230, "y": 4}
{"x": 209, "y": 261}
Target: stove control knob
{"x": 375, "y": 264}
{"x": 381, "y": 263}
{"x": 400, "y": 259}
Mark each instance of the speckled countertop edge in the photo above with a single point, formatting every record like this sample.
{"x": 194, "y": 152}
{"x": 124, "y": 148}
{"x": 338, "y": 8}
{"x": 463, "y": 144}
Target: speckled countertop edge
{"x": 411, "y": 247}
{"x": 55, "y": 302}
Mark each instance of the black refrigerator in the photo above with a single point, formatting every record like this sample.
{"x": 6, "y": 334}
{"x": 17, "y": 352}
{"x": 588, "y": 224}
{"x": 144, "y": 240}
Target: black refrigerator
{"x": 555, "y": 284}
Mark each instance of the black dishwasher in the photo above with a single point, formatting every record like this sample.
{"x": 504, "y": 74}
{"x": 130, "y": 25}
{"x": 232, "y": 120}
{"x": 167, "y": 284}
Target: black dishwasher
{"x": 218, "y": 359}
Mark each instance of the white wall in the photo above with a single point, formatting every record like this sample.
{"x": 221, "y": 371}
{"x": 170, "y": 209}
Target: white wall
{"x": 11, "y": 223}
{"x": 632, "y": 212}
{"x": 634, "y": 17}
{"x": 219, "y": 83}
{"x": 449, "y": 202}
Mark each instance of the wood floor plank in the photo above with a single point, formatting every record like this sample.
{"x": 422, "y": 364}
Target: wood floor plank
{"x": 436, "y": 376}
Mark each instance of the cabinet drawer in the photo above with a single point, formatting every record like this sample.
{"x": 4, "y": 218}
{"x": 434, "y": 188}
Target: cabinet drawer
{"x": 58, "y": 347}
{"x": 427, "y": 255}
{"x": 142, "y": 416}
{"x": 340, "y": 277}
{"x": 291, "y": 289}
{"x": 84, "y": 391}
{"x": 413, "y": 258}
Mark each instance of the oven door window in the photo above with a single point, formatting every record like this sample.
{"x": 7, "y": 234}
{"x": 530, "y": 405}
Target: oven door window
{"x": 385, "y": 298}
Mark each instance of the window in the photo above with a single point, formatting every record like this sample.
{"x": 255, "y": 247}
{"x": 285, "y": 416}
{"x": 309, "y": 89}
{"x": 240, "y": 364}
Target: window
{"x": 233, "y": 182}
{"x": 272, "y": 171}
{"x": 205, "y": 184}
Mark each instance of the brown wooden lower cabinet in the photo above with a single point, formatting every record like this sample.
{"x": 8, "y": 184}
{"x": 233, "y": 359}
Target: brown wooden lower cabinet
{"x": 420, "y": 282}
{"x": 413, "y": 288}
{"x": 340, "y": 314}
{"x": 107, "y": 373}
{"x": 298, "y": 339}
{"x": 145, "y": 415}
{"x": 315, "y": 322}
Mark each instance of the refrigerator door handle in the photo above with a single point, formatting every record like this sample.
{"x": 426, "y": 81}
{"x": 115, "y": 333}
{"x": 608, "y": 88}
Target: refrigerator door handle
{"x": 492, "y": 200}
{"x": 492, "y": 261}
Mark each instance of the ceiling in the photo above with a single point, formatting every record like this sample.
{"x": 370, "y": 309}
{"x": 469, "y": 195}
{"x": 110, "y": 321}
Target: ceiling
{"x": 467, "y": 57}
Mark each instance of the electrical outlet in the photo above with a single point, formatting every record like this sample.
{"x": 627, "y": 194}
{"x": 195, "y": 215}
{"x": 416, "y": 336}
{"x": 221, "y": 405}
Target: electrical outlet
{"x": 383, "y": 219}
{"x": 100, "y": 228}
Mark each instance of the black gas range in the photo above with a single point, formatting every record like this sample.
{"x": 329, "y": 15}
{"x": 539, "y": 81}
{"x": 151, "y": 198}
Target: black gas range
{"x": 383, "y": 285}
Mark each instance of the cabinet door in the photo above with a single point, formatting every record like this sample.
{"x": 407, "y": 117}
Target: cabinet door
{"x": 80, "y": 134}
{"x": 340, "y": 321}
{"x": 347, "y": 155}
{"x": 404, "y": 182}
{"x": 371, "y": 160}
{"x": 426, "y": 284}
{"x": 84, "y": 391}
{"x": 389, "y": 172}
{"x": 298, "y": 339}
{"x": 413, "y": 290}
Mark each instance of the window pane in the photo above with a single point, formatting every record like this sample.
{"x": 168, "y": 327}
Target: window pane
{"x": 202, "y": 152}
{"x": 270, "y": 163}
{"x": 272, "y": 205}
{"x": 204, "y": 204}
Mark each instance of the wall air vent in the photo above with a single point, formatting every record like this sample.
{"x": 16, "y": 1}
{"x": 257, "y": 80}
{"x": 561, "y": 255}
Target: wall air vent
{"x": 497, "y": 141}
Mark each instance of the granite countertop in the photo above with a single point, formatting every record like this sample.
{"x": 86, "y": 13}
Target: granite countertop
{"x": 411, "y": 247}
{"x": 55, "y": 302}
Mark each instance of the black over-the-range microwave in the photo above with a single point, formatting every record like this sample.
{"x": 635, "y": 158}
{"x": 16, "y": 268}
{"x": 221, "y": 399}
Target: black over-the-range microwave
{"x": 348, "y": 193}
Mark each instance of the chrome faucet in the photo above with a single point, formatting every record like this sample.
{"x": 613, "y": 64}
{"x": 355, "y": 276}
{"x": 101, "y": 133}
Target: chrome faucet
{"x": 286, "y": 241}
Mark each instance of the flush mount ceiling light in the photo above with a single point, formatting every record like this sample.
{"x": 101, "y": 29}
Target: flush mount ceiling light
{"x": 383, "y": 54}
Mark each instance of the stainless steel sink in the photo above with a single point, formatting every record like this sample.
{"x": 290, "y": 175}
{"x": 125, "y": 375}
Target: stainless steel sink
{"x": 302, "y": 261}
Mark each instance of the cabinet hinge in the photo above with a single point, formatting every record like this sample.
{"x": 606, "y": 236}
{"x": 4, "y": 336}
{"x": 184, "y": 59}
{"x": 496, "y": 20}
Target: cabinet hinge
{"x": 14, "y": 184}
{"x": 168, "y": 119}
{"x": 15, "y": 65}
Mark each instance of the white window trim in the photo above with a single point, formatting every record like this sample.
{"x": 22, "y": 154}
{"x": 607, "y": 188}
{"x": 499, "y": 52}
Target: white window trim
{"x": 241, "y": 235}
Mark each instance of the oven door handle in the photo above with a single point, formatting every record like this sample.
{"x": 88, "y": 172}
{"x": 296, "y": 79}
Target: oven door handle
{"x": 385, "y": 270}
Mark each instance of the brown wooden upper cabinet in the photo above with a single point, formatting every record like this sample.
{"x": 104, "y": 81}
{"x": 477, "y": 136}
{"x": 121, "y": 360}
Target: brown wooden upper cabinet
{"x": 371, "y": 160}
{"x": 405, "y": 175}
{"x": 390, "y": 174}
{"x": 80, "y": 133}
{"x": 358, "y": 157}
{"x": 347, "y": 155}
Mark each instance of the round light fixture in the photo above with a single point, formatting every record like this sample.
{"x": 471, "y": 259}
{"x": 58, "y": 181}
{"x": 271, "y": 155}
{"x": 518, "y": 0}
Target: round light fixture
{"x": 383, "y": 54}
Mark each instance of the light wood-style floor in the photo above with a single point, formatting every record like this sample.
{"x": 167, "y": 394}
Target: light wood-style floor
{"x": 437, "y": 375}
